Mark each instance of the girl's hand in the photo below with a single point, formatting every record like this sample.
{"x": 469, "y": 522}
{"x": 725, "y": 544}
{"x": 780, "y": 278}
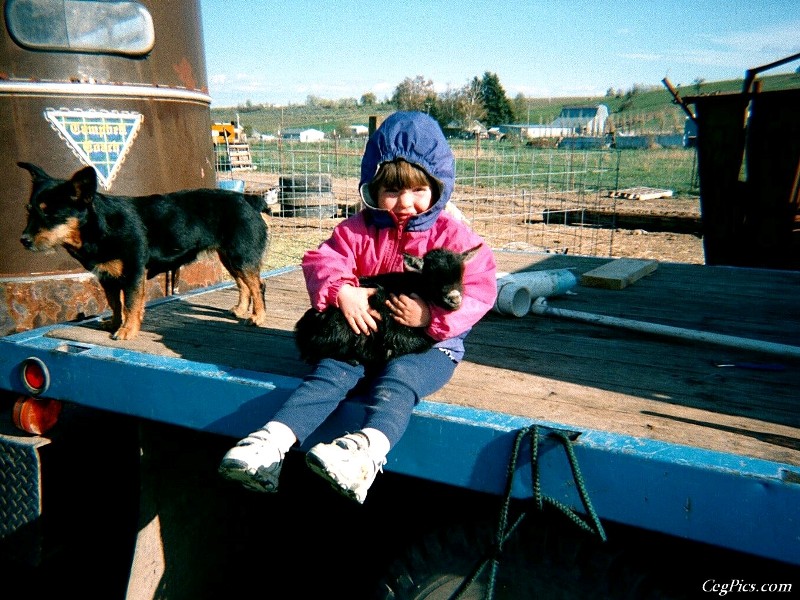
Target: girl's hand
{"x": 354, "y": 304}
{"x": 409, "y": 310}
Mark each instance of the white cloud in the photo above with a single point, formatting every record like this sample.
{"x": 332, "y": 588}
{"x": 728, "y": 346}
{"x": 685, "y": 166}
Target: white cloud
{"x": 746, "y": 49}
{"x": 780, "y": 39}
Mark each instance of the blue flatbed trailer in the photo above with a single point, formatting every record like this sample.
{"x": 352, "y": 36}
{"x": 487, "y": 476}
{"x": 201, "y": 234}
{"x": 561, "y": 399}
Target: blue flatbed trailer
{"x": 673, "y": 436}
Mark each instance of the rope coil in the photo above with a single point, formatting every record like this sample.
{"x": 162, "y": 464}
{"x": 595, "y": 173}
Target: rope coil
{"x": 504, "y": 532}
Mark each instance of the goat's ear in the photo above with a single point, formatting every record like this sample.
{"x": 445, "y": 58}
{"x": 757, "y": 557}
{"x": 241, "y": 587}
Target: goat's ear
{"x": 413, "y": 263}
{"x": 466, "y": 255}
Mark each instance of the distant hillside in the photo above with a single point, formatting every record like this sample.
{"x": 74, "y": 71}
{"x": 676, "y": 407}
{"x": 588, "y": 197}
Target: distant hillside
{"x": 271, "y": 120}
{"x": 645, "y": 104}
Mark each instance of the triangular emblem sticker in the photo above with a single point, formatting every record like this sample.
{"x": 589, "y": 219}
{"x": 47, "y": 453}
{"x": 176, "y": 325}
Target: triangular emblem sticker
{"x": 99, "y": 138}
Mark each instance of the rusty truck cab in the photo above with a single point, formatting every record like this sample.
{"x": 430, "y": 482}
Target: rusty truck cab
{"x": 120, "y": 86}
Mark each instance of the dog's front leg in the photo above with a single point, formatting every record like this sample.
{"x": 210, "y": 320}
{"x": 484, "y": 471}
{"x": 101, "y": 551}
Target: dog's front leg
{"x": 252, "y": 282}
{"x": 242, "y": 308}
{"x": 133, "y": 310}
{"x": 113, "y": 294}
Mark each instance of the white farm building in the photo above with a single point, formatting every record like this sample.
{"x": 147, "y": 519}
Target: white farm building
{"x": 573, "y": 120}
{"x": 583, "y": 120}
{"x": 359, "y": 130}
{"x": 303, "y": 135}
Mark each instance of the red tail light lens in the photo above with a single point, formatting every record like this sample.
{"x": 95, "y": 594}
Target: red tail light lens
{"x": 36, "y": 415}
{"x": 35, "y": 376}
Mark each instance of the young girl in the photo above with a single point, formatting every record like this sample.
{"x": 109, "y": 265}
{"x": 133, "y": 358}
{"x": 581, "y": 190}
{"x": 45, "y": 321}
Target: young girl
{"x": 407, "y": 178}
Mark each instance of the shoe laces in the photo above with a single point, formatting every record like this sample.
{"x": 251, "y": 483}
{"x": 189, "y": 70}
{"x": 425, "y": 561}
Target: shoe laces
{"x": 260, "y": 437}
{"x": 361, "y": 443}
{"x": 353, "y": 441}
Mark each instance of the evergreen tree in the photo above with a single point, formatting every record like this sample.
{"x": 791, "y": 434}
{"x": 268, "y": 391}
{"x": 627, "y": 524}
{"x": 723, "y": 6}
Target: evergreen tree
{"x": 498, "y": 108}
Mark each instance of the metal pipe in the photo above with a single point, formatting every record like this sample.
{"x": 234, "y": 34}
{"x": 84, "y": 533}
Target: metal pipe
{"x": 677, "y": 99}
{"x": 540, "y": 307}
{"x": 750, "y": 74}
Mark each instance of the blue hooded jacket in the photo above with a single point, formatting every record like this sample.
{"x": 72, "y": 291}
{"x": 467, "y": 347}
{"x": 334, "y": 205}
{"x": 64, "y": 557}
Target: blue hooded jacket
{"x": 418, "y": 139}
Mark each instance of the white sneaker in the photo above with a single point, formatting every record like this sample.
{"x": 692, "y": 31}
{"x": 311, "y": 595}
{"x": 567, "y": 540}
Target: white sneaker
{"x": 346, "y": 464}
{"x": 255, "y": 462}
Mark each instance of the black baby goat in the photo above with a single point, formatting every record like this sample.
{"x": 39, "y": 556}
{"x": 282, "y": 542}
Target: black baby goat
{"x": 436, "y": 278}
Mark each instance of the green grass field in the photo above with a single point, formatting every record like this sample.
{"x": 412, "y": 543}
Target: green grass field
{"x": 499, "y": 164}
{"x": 650, "y": 107}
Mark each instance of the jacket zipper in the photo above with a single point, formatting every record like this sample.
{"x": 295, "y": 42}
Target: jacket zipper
{"x": 396, "y": 238}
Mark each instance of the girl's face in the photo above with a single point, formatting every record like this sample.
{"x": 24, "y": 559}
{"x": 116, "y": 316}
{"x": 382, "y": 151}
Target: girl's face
{"x": 405, "y": 202}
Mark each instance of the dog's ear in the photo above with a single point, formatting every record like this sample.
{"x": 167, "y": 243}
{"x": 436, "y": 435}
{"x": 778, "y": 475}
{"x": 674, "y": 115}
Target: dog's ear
{"x": 85, "y": 184}
{"x": 36, "y": 172}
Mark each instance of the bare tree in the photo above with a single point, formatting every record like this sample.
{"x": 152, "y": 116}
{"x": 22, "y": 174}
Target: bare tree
{"x": 472, "y": 106}
{"x": 448, "y": 108}
{"x": 414, "y": 94}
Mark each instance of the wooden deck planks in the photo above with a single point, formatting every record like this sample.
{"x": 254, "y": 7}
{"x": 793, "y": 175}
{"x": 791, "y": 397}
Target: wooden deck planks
{"x": 579, "y": 375}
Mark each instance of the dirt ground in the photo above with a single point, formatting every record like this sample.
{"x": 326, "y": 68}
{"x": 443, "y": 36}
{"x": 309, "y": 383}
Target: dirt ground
{"x": 627, "y": 243}
{"x": 668, "y": 246}
{"x": 661, "y": 246}
{"x": 667, "y": 230}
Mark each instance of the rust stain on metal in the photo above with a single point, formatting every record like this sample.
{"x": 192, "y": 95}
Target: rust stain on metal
{"x": 185, "y": 73}
{"x": 29, "y": 303}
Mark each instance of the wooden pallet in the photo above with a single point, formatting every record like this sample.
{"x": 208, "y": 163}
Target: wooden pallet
{"x": 640, "y": 193}
{"x": 239, "y": 157}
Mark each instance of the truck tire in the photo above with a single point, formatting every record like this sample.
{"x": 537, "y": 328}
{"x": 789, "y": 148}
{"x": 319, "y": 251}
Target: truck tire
{"x": 433, "y": 568}
{"x": 302, "y": 184}
{"x": 545, "y": 558}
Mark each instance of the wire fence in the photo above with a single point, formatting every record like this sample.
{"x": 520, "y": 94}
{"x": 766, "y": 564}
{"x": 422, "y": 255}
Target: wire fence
{"x": 594, "y": 201}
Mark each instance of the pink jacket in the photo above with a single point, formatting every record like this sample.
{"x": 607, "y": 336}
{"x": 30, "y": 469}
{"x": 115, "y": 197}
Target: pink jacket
{"x": 358, "y": 249}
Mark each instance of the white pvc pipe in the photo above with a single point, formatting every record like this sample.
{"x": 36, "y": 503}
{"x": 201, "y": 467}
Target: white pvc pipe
{"x": 540, "y": 307}
{"x": 516, "y": 291}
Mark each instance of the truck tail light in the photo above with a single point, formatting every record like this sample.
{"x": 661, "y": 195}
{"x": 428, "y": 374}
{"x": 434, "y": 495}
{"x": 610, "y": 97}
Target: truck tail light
{"x": 33, "y": 414}
{"x": 36, "y": 415}
{"x": 35, "y": 376}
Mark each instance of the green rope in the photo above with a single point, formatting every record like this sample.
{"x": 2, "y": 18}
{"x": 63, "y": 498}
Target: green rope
{"x": 503, "y": 532}
{"x": 594, "y": 526}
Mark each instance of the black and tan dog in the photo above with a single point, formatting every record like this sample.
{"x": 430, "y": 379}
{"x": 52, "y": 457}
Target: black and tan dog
{"x": 126, "y": 240}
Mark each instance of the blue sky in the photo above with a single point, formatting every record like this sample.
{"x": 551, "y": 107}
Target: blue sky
{"x": 283, "y": 51}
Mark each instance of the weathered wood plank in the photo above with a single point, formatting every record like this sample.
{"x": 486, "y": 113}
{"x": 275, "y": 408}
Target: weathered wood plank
{"x": 618, "y": 274}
